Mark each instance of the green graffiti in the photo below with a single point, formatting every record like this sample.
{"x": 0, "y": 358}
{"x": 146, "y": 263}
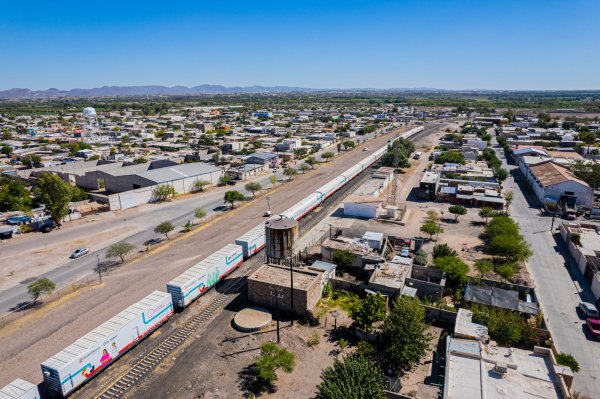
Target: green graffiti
{"x": 213, "y": 278}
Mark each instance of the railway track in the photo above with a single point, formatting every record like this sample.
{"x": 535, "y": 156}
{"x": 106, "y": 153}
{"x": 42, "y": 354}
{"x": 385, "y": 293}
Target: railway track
{"x": 149, "y": 361}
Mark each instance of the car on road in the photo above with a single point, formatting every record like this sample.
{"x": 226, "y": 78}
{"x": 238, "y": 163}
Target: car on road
{"x": 588, "y": 310}
{"x": 366, "y": 149}
{"x": 405, "y": 253}
{"x": 80, "y": 252}
{"x": 267, "y": 214}
{"x": 275, "y": 170}
{"x": 231, "y": 183}
{"x": 594, "y": 326}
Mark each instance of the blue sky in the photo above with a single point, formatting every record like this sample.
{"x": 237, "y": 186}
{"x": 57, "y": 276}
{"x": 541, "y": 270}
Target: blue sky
{"x": 451, "y": 44}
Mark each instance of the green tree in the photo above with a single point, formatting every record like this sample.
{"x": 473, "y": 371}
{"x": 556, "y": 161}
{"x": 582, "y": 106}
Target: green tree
{"x": 77, "y": 194}
{"x": 14, "y": 195}
{"x": 588, "y": 138}
{"x": 566, "y": 359}
{"x": 441, "y": 250}
{"x": 454, "y": 268}
{"x": 300, "y": 152}
{"x": 304, "y": 167}
{"x": 501, "y": 174}
{"x": 273, "y": 180}
{"x": 457, "y": 210}
{"x": 40, "y": 287}
{"x": 450, "y": 157}
{"x": 140, "y": 159}
{"x": 199, "y": 213}
{"x": 483, "y": 266}
{"x": 164, "y": 228}
{"x": 431, "y": 228}
{"x": 55, "y": 193}
{"x": 511, "y": 247}
{"x": 200, "y": 184}
{"x": 32, "y": 160}
{"x": 119, "y": 250}
{"x": 507, "y": 271}
{"x": 349, "y": 144}
{"x": 290, "y": 173}
{"x": 589, "y": 172}
{"x": 225, "y": 179}
{"x": 327, "y": 155}
{"x": 253, "y": 187}
{"x": 257, "y": 144}
{"x": 273, "y": 357}
{"x": 6, "y": 150}
{"x": 506, "y": 327}
{"x": 311, "y": 161}
{"x": 368, "y": 311}
{"x": 163, "y": 192}
{"x": 232, "y": 196}
{"x": 404, "y": 333}
{"x": 508, "y": 198}
{"x": 420, "y": 257}
{"x": 356, "y": 377}
{"x": 343, "y": 258}
{"x": 486, "y": 213}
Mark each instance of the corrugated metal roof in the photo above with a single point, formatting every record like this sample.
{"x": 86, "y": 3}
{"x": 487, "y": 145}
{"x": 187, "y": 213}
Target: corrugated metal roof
{"x": 178, "y": 172}
{"x": 549, "y": 173}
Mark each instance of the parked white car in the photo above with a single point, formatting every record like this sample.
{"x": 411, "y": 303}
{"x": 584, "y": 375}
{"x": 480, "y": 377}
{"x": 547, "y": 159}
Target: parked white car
{"x": 80, "y": 252}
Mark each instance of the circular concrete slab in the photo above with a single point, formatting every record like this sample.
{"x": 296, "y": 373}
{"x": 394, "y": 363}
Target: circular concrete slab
{"x": 252, "y": 319}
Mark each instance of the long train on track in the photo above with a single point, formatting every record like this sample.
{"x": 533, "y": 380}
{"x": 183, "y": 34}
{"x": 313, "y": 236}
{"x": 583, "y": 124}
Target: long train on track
{"x": 72, "y": 367}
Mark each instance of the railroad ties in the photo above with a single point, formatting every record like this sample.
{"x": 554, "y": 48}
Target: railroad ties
{"x": 152, "y": 359}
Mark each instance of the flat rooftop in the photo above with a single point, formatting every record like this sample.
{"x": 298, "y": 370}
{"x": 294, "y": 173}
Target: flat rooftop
{"x": 280, "y": 276}
{"x": 470, "y": 372}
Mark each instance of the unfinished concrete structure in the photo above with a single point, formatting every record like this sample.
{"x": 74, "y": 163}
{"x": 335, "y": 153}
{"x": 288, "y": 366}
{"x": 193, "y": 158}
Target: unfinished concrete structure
{"x": 269, "y": 280}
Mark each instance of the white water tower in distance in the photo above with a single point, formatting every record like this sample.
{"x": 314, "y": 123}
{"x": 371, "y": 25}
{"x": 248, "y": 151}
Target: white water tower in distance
{"x": 91, "y": 121}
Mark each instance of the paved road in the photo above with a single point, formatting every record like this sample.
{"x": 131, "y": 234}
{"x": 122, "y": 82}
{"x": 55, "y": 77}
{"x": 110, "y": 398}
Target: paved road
{"x": 559, "y": 288}
{"x": 177, "y": 212}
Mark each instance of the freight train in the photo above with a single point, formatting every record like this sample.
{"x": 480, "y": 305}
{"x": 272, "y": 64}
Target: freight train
{"x": 72, "y": 367}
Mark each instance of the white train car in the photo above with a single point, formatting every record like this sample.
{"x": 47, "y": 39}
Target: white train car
{"x": 354, "y": 171}
{"x": 96, "y": 350}
{"x": 253, "y": 241}
{"x": 331, "y": 187}
{"x": 195, "y": 281}
{"x": 299, "y": 209}
{"x": 20, "y": 389}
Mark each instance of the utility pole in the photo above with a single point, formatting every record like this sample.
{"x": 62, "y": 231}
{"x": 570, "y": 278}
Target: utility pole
{"x": 276, "y": 292}
{"x": 558, "y": 204}
{"x": 269, "y": 202}
{"x": 292, "y": 289}
{"x": 99, "y": 271}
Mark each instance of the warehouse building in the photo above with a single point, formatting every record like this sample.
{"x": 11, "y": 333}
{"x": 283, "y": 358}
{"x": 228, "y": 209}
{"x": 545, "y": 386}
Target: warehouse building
{"x": 271, "y": 280}
{"x": 551, "y": 180}
{"x": 182, "y": 177}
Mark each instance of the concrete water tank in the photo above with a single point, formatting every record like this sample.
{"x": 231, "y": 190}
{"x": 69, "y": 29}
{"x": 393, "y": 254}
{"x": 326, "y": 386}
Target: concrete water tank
{"x": 281, "y": 234}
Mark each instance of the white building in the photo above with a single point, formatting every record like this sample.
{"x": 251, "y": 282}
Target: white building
{"x": 549, "y": 179}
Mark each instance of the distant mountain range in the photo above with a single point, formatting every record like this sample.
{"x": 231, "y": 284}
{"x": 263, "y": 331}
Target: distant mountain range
{"x": 115, "y": 91}
{"x": 154, "y": 90}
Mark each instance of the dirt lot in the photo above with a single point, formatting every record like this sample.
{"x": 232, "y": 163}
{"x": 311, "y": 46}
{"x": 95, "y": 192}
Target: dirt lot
{"x": 214, "y": 365}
